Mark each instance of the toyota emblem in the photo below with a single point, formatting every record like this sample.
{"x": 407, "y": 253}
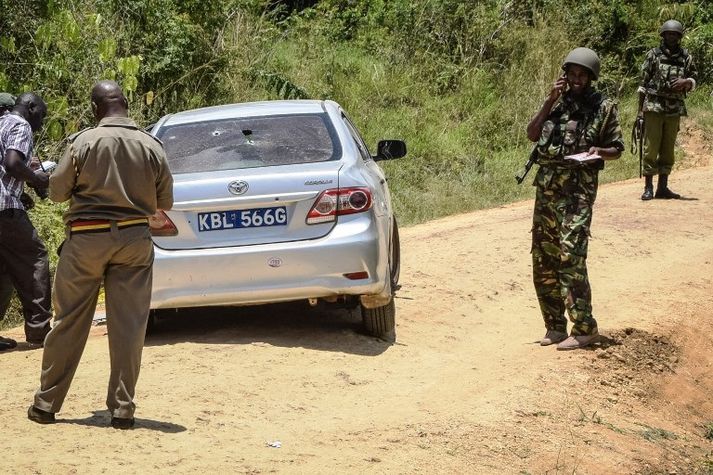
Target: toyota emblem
{"x": 238, "y": 187}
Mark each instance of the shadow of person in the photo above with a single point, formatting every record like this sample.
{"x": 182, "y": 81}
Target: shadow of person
{"x": 687, "y": 198}
{"x": 25, "y": 346}
{"x": 103, "y": 419}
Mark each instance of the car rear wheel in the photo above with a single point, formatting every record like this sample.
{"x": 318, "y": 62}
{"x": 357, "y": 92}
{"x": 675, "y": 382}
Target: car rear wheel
{"x": 381, "y": 321}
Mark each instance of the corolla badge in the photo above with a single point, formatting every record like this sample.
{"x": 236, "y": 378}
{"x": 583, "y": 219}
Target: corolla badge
{"x": 238, "y": 187}
{"x": 274, "y": 262}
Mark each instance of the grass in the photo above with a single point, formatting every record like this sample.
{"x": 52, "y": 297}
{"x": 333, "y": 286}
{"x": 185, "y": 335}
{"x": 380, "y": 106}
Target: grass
{"x": 653, "y": 434}
{"x": 708, "y": 430}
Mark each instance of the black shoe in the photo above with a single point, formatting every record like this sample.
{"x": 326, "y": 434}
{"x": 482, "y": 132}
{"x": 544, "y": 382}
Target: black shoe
{"x": 7, "y": 343}
{"x": 122, "y": 423}
{"x": 662, "y": 191}
{"x": 40, "y": 416}
{"x": 666, "y": 194}
{"x": 648, "y": 188}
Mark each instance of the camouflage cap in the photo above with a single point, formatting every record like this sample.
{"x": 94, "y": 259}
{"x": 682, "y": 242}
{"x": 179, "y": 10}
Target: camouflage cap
{"x": 6, "y": 99}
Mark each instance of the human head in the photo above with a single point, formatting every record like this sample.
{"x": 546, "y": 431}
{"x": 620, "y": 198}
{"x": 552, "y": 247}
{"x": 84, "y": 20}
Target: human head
{"x": 7, "y": 102}
{"x": 108, "y": 100}
{"x": 672, "y": 33}
{"x": 31, "y": 106}
{"x": 584, "y": 57}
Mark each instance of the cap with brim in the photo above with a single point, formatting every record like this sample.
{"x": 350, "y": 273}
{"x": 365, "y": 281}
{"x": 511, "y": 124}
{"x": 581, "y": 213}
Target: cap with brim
{"x": 6, "y": 99}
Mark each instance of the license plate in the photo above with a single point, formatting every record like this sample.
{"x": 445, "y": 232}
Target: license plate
{"x": 244, "y": 218}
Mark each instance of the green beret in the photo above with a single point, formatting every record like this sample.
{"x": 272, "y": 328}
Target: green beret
{"x": 6, "y": 100}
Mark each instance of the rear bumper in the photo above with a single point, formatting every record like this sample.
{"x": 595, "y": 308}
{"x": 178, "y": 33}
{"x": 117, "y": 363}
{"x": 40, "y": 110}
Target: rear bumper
{"x": 275, "y": 272}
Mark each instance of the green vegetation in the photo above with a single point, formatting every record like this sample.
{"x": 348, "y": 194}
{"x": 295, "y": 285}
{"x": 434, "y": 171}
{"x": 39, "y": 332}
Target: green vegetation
{"x": 457, "y": 79}
{"x": 652, "y": 434}
{"x": 708, "y": 430}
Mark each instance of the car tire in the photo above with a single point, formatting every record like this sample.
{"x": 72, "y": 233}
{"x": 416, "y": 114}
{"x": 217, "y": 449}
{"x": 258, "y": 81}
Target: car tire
{"x": 395, "y": 258}
{"x": 381, "y": 321}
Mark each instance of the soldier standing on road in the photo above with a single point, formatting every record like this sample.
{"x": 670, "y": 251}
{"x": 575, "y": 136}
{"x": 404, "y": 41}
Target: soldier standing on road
{"x": 115, "y": 176}
{"x": 573, "y": 119}
{"x": 23, "y": 256}
{"x": 667, "y": 74}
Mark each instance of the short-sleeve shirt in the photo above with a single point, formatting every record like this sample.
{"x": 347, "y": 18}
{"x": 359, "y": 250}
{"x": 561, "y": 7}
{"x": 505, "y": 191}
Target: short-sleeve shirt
{"x": 15, "y": 134}
{"x": 114, "y": 171}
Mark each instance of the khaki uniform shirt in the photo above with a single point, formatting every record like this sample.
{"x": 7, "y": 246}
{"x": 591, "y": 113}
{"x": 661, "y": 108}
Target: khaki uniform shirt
{"x": 114, "y": 171}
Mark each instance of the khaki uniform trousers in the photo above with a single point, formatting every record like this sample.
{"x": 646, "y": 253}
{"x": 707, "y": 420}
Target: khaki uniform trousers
{"x": 123, "y": 259}
{"x": 659, "y": 140}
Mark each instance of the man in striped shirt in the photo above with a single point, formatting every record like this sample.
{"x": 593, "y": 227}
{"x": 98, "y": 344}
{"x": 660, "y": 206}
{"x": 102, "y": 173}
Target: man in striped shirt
{"x": 22, "y": 252}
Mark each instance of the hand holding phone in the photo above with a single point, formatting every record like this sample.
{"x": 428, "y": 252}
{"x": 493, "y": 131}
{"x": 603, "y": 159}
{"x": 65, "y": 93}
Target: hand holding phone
{"x": 559, "y": 87}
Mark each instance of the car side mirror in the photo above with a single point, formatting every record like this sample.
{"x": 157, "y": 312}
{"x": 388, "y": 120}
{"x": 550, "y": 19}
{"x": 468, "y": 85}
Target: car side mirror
{"x": 390, "y": 149}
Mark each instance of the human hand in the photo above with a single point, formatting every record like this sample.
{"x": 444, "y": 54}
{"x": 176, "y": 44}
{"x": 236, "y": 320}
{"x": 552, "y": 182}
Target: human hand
{"x": 34, "y": 163}
{"x": 594, "y": 151}
{"x": 681, "y": 84}
{"x": 41, "y": 181}
{"x": 558, "y": 88}
{"x": 27, "y": 202}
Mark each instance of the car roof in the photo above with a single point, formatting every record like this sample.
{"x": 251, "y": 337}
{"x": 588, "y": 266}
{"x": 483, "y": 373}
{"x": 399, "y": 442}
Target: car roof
{"x": 246, "y": 109}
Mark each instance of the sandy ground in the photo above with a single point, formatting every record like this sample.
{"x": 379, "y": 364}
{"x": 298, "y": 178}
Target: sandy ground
{"x": 466, "y": 388}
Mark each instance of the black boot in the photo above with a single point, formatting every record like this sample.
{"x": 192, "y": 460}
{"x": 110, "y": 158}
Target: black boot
{"x": 662, "y": 191}
{"x": 648, "y": 188}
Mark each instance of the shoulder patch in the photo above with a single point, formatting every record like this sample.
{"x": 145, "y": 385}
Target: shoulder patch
{"x": 152, "y": 136}
{"x": 72, "y": 137}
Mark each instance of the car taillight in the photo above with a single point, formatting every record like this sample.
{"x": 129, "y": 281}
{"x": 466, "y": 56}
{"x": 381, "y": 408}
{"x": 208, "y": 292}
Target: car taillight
{"x": 339, "y": 201}
{"x": 161, "y": 225}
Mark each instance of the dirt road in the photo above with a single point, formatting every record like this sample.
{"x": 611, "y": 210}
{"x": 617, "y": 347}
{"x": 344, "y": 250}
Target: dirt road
{"x": 465, "y": 390}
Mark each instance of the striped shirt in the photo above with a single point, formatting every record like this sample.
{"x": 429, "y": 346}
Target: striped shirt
{"x": 15, "y": 134}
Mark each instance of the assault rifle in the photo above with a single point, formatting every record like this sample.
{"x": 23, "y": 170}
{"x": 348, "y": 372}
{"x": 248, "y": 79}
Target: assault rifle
{"x": 534, "y": 155}
{"x": 637, "y": 142}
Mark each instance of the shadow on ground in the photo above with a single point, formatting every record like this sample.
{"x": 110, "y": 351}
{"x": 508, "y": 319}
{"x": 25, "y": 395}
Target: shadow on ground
{"x": 102, "y": 419}
{"x": 295, "y": 324}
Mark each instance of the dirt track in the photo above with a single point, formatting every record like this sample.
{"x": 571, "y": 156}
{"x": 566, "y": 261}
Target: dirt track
{"x": 465, "y": 390}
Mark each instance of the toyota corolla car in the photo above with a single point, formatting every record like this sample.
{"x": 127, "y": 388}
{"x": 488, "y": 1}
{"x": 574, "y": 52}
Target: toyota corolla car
{"x": 276, "y": 201}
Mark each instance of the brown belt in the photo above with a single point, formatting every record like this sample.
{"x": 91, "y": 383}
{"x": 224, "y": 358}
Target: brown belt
{"x": 104, "y": 225}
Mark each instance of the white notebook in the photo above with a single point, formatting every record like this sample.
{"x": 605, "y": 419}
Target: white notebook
{"x": 582, "y": 157}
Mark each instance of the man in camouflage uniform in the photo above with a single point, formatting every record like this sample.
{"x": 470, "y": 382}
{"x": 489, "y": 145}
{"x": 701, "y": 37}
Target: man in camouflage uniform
{"x": 667, "y": 74}
{"x": 574, "y": 119}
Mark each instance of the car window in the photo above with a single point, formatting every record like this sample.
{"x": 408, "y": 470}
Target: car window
{"x": 252, "y": 142}
{"x": 363, "y": 150}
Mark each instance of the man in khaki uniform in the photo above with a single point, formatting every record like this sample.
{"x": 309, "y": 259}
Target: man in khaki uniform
{"x": 115, "y": 176}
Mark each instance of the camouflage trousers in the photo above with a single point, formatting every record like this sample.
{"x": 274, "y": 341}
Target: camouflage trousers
{"x": 560, "y": 236}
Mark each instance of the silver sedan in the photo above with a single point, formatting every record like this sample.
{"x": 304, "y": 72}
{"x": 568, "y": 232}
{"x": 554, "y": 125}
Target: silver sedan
{"x": 276, "y": 201}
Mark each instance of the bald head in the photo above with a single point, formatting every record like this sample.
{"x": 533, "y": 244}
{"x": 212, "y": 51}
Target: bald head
{"x": 108, "y": 100}
{"x": 31, "y": 106}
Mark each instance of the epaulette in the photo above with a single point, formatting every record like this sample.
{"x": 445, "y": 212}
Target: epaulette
{"x": 152, "y": 136}
{"x": 72, "y": 137}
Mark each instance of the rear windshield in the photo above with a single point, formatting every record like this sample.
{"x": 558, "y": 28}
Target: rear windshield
{"x": 251, "y": 142}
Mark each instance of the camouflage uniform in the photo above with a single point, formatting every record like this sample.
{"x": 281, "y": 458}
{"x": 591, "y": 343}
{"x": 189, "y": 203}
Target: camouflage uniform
{"x": 566, "y": 191}
{"x": 663, "y": 107}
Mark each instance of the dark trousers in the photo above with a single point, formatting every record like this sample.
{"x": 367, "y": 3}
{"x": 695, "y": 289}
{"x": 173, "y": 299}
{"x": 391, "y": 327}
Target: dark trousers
{"x": 24, "y": 258}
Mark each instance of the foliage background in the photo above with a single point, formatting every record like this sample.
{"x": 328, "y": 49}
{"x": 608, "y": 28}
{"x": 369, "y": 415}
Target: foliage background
{"x": 457, "y": 79}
